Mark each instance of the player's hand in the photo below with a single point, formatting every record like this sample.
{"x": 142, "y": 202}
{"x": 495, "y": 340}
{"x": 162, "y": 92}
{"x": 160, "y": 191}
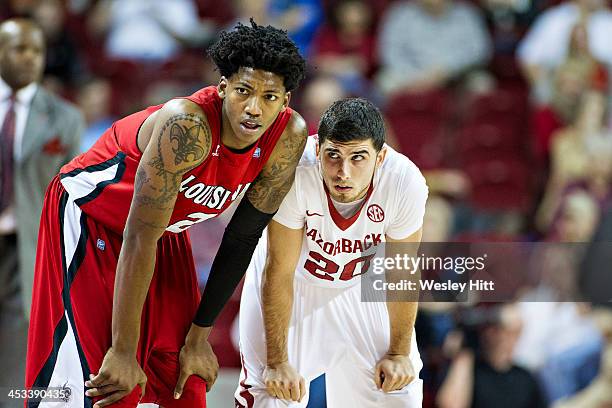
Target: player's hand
{"x": 393, "y": 372}
{"x": 197, "y": 358}
{"x": 119, "y": 374}
{"x": 284, "y": 382}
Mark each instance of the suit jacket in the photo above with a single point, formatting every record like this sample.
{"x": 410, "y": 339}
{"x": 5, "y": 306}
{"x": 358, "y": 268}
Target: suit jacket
{"x": 51, "y": 138}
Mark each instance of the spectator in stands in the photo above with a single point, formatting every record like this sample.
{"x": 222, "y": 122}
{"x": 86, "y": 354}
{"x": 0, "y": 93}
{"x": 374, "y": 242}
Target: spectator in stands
{"x": 320, "y": 92}
{"x": 94, "y": 99}
{"x": 579, "y": 54}
{"x": 508, "y": 20}
{"x": 579, "y": 215}
{"x": 569, "y": 83}
{"x": 345, "y": 45}
{"x": 599, "y": 393}
{"x": 561, "y": 343}
{"x": 558, "y": 93}
{"x": 548, "y": 43}
{"x": 581, "y": 158}
{"x": 423, "y": 44}
{"x": 63, "y": 62}
{"x": 148, "y": 30}
{"x": 301, "y": 18}
{"x": 438, "y": 220}
{"x": 483, "y": 375}
{"x": 561, "y": 340}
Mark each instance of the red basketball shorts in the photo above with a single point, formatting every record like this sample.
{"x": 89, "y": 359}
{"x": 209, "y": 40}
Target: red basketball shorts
{"x": 70, "y": 327}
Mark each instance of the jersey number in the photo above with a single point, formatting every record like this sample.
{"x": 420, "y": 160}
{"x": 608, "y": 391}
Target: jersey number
{"x": 324, "y": 268}
{"x": 194, "y": 218}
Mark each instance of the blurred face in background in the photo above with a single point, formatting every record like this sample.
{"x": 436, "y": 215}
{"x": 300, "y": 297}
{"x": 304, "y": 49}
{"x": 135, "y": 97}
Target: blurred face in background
{"x": 500, "y": 340}
{"x": 94, "y": 100}
{"x": 49, "y": 14}
{"x": 438, "y": 220}
{"x": 354, "y": 17}
{"x": 318, "y": 96}
{"x": 579, "y": 217}
{"x": 22, "y": 53}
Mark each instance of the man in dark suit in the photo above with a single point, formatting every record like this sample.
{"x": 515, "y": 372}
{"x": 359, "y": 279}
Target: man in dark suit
{"x": 39, "y": 132}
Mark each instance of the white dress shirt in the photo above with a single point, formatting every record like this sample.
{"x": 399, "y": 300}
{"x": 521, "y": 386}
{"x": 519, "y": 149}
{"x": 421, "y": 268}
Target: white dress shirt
{"x": 23, "y": 101}
{"x": 547, "y": 41}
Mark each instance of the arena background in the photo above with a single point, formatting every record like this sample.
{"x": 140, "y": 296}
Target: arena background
{"x": 503, "y": 104}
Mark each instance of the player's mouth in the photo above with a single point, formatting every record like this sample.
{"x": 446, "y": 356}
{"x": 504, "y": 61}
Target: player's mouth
{"x": 342, "y": 189}
{"x": 250, "y": 126}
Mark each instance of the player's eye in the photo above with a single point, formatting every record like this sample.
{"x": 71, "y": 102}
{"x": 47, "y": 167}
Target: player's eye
{"x": 242, "y": 91}
{"x": 358, "y": 157}
{"x": 271, "y": 98}
{"x": 333, "y": 155}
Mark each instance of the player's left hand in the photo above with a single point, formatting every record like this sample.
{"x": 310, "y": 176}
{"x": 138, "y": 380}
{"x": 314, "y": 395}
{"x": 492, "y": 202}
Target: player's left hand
{"x": 197, "y": 358}
{"x": 393, "y": 372}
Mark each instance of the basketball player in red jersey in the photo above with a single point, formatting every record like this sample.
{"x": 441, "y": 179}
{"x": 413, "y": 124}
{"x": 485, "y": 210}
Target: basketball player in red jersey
{"x": 115, "y": 292}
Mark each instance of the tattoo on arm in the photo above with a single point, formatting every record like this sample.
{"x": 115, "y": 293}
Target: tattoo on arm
{"x": 182, "y": 144}
{"x": 273, "y": 183}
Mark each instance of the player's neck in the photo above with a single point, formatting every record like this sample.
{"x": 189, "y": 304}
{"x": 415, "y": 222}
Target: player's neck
{"x": 347, "y": 210}
{"x": 229, "y": 138}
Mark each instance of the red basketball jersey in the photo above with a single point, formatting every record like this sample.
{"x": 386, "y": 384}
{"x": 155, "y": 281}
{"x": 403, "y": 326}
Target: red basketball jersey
{"x": 102, "y": 179}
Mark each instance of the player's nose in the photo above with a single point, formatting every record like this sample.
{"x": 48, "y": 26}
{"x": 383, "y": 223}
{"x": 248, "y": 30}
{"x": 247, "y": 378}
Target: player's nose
{"x": 343, "y": 171}
{"x": 253, "y": 108}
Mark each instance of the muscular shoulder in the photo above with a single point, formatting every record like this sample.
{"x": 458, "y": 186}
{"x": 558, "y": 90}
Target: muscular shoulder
{"x": 181, "y": 110}
{"x": 292, "y": 141}
{"x": 296, "y": 127}
{"x": 181, "y": 132}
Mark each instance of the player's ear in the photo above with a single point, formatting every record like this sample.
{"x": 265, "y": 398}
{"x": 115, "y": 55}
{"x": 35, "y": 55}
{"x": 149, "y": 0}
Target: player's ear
{"x": 221, "y": 88}
{"x": 286, "y": 101}
{"x": 380, "y": 157}
{"x": 317, "y": 147}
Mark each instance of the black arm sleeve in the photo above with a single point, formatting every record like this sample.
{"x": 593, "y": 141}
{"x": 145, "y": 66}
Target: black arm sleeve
{"x": 232, "y": 260}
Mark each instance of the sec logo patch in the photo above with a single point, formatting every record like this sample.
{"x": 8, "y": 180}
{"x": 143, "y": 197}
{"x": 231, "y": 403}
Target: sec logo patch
{"x": 375, "y": 213}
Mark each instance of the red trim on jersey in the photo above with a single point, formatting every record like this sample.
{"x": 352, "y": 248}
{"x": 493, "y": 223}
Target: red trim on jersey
{"x": 245, "y": 387}
{"x": 339, "y": 220}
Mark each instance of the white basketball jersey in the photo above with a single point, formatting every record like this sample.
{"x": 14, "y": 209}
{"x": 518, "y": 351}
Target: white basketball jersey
{"x": 335, "y": 249}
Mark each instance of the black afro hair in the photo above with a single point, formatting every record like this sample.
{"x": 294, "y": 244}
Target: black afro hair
{"x": 259, "y": 47}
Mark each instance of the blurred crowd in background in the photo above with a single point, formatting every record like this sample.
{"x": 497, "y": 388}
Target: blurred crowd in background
{"x": 503, "y": 104}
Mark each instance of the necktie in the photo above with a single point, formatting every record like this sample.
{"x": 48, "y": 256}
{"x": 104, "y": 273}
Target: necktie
{"x": 7, "y": 140}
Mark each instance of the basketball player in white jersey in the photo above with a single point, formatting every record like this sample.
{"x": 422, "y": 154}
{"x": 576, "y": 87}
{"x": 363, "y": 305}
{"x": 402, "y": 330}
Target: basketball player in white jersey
{"x": 301, "y": 313}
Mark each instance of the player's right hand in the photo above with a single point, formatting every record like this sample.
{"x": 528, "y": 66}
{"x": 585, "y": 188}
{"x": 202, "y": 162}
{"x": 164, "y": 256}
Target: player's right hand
{"x": 119, "y": 374}
{"x": 284, "y": 382}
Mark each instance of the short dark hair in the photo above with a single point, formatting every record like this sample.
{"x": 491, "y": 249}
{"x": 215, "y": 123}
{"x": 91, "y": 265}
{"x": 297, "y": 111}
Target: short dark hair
{"x": 352, "y": 119}
{"x": 259, "y": 47}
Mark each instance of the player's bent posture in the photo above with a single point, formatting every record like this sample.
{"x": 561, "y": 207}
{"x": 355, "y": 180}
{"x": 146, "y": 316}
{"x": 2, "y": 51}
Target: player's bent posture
{"x": 301, "y": 313}
{"x": 115, "y": 291}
